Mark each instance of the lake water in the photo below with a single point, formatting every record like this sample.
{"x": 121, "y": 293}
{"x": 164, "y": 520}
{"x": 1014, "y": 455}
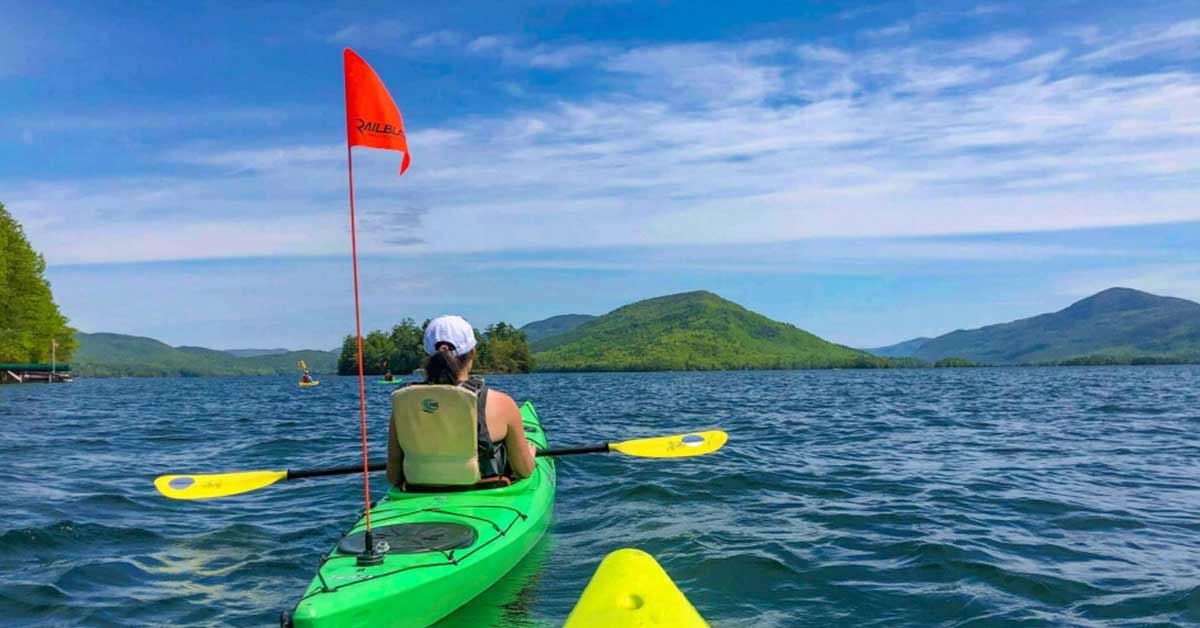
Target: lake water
{"x": 975, "y": 497}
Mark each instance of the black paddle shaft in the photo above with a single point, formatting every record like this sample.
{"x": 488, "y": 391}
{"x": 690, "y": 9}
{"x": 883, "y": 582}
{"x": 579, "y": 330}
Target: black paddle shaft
{"x": 346, "y": 470}
{"x": 382, "y": 465}
{"x": 567, "y": 451}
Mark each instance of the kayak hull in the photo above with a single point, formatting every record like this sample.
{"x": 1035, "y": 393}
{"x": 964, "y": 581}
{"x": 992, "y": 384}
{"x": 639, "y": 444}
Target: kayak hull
{"x": 309, "y": 384}
{"x": 417, "y": 589}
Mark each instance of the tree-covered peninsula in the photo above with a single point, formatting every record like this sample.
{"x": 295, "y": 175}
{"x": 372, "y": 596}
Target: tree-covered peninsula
{"x": 29, "y": 318}
{"x": 501, "y": 348}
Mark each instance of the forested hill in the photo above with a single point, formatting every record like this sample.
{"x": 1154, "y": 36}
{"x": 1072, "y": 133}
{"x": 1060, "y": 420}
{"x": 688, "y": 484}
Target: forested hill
{"x": 1118, "y": 325}
{"x": 691, "y": 331}
{"x": 118, "y": 355}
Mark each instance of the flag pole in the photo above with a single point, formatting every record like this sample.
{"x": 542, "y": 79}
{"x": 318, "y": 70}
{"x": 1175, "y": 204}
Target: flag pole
{"x": 372, "y": 120}
{"x": 369, "y": 556}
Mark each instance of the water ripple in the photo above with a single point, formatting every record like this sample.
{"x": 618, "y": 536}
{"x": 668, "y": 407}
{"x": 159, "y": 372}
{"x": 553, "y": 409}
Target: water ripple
{"x": 984, "y": 497}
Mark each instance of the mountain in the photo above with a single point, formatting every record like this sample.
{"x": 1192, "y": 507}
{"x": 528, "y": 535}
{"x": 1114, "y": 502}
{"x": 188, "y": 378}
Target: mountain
{"x": 254, "y": 353}
{"x": 118, "y": 355}
{"x": 691, "y": 331}
{"x": 904, "y": 349}
{"x": 1118, "y": 324}
{"x": 554, "y": 326}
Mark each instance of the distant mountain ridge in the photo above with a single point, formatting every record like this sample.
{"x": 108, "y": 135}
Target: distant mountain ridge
{"x": 119, "y": 355}
{"x": 1118, "y": 324}
{"x": 904, "y": 349}
{"x": 254, "y": 353}
{"x": 691, "y": 331}
{"x": 554, "y": 326}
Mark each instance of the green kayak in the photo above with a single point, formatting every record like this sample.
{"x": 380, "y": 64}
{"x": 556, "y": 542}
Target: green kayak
{"x": 394, "y": 382}
{"x": 444, "y": 550}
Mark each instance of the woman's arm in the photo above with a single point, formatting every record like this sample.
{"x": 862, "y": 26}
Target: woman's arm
{"x": 395, "y": 457}
{"x": 520, "y": 451}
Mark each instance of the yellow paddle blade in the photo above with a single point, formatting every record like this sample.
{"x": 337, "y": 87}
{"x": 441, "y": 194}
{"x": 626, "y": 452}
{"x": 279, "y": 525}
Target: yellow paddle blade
{"x": 220, "y": 485}
{"x": 678, "y": 446}
{"x": 631, "y": 590}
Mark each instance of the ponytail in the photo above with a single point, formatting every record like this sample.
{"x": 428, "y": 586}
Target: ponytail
{"x": 444, "y": 367}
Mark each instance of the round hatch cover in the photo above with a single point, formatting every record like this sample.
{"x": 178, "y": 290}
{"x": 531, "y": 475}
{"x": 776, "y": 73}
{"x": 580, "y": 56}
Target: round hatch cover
{"x": 414, "y": 538}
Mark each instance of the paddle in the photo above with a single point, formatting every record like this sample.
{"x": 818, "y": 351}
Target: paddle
{"x": 226, "y": 484}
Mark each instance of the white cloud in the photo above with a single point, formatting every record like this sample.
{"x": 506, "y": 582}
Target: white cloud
{"x": 1181, "y": 40}
{"x": 1176, "y": 280}
{"x": 756, "y": 141}
{"x": 437, "y": 39}
{"x": 128, "y": 121}
{"x": 720, "y": 72}
{"x": 897, "y": 29}
{"x": 825, "y": 54}
{"x": 997, "y": 48}
{"x": 376, "y": 33}
{"x": 511, "y": 51}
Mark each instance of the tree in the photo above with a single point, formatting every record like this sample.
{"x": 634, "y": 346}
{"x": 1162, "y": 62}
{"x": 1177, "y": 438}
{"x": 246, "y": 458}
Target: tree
{"x": 407, "y": 348}
{"x": 29, "y": 318}
{"x": 502, "y": 348}
{"x": 507, "y": 350}
{"x": 377, "y": 347}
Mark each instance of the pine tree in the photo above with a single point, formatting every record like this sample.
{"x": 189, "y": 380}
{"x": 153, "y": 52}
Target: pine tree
{"x": 29, "y": 318}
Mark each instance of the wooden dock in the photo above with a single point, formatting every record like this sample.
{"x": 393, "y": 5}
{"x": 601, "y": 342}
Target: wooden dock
{"x": 16, "y": 373}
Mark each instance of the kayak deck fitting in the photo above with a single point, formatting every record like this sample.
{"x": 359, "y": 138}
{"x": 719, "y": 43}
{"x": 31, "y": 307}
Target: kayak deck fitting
{"x": 444, "y": 549}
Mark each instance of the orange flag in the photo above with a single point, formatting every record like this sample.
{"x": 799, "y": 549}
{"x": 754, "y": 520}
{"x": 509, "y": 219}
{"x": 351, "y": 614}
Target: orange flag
{"x": 372, "y": 118}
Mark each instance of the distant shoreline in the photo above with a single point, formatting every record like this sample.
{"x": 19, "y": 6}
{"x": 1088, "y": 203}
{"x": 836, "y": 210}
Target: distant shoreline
{"x": 929, "y": 367}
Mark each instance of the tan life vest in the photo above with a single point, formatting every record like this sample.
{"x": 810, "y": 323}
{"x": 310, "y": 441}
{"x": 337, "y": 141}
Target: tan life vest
{"x": 443, "y": 433}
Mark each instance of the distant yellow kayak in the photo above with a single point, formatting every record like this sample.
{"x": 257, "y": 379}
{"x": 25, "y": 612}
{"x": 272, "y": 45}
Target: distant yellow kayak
{"x": 630, "y": 590}
{"x": 309, "y": 384}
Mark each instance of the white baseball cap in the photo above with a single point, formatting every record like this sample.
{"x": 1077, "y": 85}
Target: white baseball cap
{"x": 454, "y": 330}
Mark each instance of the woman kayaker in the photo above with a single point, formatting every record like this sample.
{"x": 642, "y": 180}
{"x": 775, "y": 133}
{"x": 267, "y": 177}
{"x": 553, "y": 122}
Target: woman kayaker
{"x": 452, "y": 429}
{"x": 305, "y": 378}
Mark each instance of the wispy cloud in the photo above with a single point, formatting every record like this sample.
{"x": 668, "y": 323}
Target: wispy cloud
{"x": 377, "y": 33}
{"x": 1180, "y": 40}
{"x": 539, "y": 56}
{"x": 998, "y": 47}
{"x": 1172, "y": 279}
{"x": 736, "y": 141}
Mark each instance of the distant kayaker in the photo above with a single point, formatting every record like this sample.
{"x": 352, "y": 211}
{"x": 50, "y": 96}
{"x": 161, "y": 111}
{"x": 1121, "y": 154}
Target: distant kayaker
{"x": 305, "y": 378}
{"x": 451, "y": 429}
{"x": 387, "y": 372}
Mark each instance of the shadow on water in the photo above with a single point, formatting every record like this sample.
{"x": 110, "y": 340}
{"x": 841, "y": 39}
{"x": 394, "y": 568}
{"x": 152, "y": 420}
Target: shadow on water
{"x": 511, "y": 601}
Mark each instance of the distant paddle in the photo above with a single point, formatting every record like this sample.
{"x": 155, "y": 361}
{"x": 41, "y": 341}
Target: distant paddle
{"x": 227, "y": 484}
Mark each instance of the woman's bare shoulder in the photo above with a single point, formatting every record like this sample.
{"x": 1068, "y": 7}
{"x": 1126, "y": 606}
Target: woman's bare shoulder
{"x": 501, "y": 399}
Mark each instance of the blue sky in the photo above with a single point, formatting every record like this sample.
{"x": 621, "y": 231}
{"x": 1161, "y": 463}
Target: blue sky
{"x": 867, "y": 172}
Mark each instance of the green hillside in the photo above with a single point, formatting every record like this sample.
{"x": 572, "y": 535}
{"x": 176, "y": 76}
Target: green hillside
{"x": 1116, "y": 326}
{"x": 554, "y": 326}
{"x": 691, "y": 331}
{"x": 118, "y": 355}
